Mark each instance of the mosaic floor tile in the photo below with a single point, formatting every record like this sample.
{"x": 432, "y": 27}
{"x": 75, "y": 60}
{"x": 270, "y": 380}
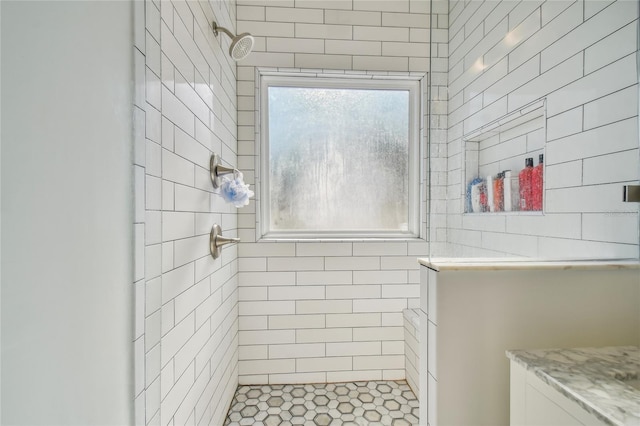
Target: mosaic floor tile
{"x": 375, "y": 403}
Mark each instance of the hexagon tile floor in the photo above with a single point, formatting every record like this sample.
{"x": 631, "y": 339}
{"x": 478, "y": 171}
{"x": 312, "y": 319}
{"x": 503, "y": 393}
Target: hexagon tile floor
{"x": 361, "y": 403}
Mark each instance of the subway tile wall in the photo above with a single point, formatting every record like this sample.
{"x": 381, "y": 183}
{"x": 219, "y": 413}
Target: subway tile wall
{"x": 186, "y": 303}
{"x": 580, "y": 56}
{"x": 312, "y": 311}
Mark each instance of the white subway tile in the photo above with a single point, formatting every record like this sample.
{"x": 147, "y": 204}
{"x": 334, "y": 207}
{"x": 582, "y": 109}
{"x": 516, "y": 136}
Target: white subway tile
{"x": 253, "y": 323}
{"x": 611, "y": 48}
{"x": 620, "y": 136}
{"x": 413, "y": 20}
{"x": 323, "y": 249}
{"x": 277, "y": 322}
{"x": 176, "y": 338}
{"x": 563, "y": 175}
{"x": 296, "y": 293}
{"x": 152, "y": 258}
{"x": 283, "y": 14}
{"x": 324, "y": 4}
{"x": 400, "y": 290}
{"x": 295, "y": 45}
{"x": 176, "y": 281}
{"x": 378, "y": 362}
{"x": 340, "y": 62}
{"x": 565, "y": 22}
{"x": 322, "y": 31}
{"x": 252, "y": 293}
{"x": 324, "y": 277}
{"x": 250, "y": 379}
{"x": 614, "y": 107}
{"x": 380, "y": 249}
{"x": 191, "y": 200}
{"x": 177, "y": 225}
{"x": 323, "y": 306}
{"x": 522, "y": 245}
{"x": 186, "y": 302}
{"x": 268, "y": 59}
{"x": 386, "y": 34}
{"x": 267, "y": 278}
{"x": 266, "y": 249}
{"x": 557, "y": 248}
{"x": 177, "y": 169}
{"x": 516, "y": 78}
{"x": 587, "y": 199}
{"x": 266, "y": 29}
{"x": 564, "y": 124}
{"x": 352, "y": 263}
{"x": 592, "y": 30}
{"x": 347, "y": 17}
{"x": 354, "y": 320}
{"x": 379, "y": 277}
{"x": 348, "y": 47}
{"x": 295, "y": 264}
{"x": 523, "y": 10}
{"x": 353, "y": 376}
{"x": 383, "y": 6}
{"x": 292, "y": 378}
{"x": 252, "y": 352}
{"x": 550, "y": 81}
{"x": 323, "y": 364}
{"x": 399, "y": 262}
{"x": 378, "y": 334}
{"x": 268, "y": 337}
{"x": 393, "y": 319}
{"x": 609, "y": 79}
{"x": 250, "y": 13}
{"x": 379, "y": 305}
{"x": 353, "y": 292}
{"x": 610, "y": 227}
{"x": 322, "y": 335}
{"x": 354, "y": 348}
{"x": 301, "y": 350}
{"x": 616, "y": 167}
{"x": 548, "y": 225}
{"x": 266, "y": 307}
{"x": 264, "y": 366}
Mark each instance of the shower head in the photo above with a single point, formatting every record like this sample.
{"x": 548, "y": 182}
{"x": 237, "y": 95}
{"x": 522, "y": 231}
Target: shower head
{"x": 241, "y": 44}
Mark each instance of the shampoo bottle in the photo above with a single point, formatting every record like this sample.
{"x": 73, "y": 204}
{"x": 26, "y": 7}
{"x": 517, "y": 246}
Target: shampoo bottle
{"x": 524, "y": 180}
{"x": 490, "y": 194}
{"x": 537, "y": 184}
{"x": 498, "y": 192}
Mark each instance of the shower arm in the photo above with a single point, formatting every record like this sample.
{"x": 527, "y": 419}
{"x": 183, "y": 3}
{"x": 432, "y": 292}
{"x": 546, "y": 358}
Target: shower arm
{"x": 216, "y": 28}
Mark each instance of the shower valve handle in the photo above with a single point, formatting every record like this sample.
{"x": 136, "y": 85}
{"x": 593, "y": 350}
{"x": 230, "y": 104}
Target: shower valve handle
{"x": 216, "y": 241}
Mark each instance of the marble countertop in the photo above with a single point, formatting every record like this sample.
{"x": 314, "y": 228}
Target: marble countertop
{"x": 515, "y": 263}
{"x": 598, "y": 379}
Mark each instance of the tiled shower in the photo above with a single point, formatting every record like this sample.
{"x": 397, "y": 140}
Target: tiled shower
{"x": 293, "y": 313}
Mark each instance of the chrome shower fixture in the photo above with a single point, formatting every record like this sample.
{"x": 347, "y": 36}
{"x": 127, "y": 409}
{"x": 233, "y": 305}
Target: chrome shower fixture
{"x": 241, "y": 44}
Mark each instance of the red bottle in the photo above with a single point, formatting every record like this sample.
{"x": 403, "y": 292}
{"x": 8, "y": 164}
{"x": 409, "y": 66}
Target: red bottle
{"x": 498, "y": 192}
{"x": 536, "y": 184}
{"x": 524, "y": 178}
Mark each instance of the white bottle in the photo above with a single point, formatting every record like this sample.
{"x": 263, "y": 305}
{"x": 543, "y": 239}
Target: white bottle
{"x": 492, "y": 208}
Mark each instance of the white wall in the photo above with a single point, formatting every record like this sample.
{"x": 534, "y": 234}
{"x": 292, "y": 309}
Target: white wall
{"x": 66, "y": 213}
{"x": 326, "y": 311}
{"x": 581, "y": 57}
{"x": 186, "y": 302}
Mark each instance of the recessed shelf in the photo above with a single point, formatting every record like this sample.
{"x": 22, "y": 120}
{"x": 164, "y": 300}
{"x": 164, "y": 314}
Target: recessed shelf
{"x": 502, "y": 146}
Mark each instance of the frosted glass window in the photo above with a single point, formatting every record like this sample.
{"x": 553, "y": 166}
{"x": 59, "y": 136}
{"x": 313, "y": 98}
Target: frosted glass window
{"x": 341, "y": 160}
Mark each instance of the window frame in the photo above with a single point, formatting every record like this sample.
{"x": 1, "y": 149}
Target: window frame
{"x": 410, "y": 82}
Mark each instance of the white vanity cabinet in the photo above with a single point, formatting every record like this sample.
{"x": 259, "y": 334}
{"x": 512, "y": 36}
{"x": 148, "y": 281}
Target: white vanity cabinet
{"x": 535, "y": 403}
